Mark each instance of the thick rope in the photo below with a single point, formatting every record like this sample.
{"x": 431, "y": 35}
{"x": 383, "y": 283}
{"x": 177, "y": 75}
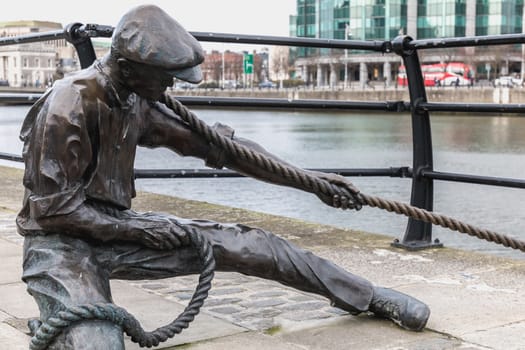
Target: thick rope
{"x": 130, "y": 325}
{"x": 318, "y": 185}
{"x": 442, "y": 220}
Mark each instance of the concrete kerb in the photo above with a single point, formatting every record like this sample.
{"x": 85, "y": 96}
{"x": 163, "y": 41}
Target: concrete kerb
{"x": 477, "y": 301}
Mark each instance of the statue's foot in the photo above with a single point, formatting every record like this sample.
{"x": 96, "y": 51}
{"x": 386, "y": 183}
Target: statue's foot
{"x": 402, "y": 309}
{"x": 33, "y": 325}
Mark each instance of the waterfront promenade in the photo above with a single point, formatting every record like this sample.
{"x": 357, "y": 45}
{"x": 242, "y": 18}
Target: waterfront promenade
{"x": 376, "y": 91}
{"x": 477, "y": 301}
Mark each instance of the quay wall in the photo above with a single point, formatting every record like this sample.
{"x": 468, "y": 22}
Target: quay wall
{"x": 447, "y": 94}
{"x": 485, "y": 94}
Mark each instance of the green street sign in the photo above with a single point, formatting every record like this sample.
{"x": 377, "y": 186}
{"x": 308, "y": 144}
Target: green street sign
{"x": 248, "y": 63}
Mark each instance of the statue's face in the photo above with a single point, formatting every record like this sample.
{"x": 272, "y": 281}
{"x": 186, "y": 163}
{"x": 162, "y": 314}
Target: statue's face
{"x": 146, "y": 81}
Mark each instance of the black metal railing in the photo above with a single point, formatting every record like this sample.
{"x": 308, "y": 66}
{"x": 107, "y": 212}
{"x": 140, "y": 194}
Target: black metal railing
{"x": 418, "y": 234}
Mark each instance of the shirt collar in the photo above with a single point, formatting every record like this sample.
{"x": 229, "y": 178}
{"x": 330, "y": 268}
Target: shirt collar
{"x": 112, "y": 91}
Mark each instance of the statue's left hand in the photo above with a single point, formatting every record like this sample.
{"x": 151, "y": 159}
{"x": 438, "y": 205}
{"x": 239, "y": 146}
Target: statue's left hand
{"x": 347, "y": 196}
{"x": 161, "y": 234}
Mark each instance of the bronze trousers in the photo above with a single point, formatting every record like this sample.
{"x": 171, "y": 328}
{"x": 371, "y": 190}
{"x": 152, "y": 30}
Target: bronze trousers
{"x": 62, "y": 271}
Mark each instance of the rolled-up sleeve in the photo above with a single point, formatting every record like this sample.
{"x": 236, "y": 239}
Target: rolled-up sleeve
{"x": 162, "y": 127}
{"x": 59, "y": 156}
{"x": 56, "y": 204}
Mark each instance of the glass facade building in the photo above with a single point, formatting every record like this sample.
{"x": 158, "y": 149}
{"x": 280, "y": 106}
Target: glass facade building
{"x": 441, "y": 18}
{"x": 499, "y": 17}
{"x": 305, "y": 24}
{"x": 377, "y": 19}
{"x": 385, "y": 19}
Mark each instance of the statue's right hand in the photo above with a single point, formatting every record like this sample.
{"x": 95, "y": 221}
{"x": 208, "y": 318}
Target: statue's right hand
{"x": 165, "y": 237}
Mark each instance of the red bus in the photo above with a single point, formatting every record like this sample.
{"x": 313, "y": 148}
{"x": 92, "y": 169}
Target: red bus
{"x": 441, "y": 74}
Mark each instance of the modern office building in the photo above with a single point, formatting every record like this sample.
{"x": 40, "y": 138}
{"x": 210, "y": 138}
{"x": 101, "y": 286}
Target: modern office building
{"x": 386, "y": 19}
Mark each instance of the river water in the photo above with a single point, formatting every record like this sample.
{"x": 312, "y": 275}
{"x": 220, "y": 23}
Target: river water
{"x": 492, "y": 146}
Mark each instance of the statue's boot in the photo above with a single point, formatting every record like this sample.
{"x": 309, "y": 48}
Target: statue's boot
{"x": 402, "y": 309}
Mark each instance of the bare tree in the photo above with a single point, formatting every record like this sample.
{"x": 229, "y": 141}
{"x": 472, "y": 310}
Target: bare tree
{"x": 279, "y": 63}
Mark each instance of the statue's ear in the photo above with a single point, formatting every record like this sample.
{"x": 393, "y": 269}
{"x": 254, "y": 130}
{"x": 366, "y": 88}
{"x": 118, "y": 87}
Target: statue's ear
{"x": 124, "y": 67}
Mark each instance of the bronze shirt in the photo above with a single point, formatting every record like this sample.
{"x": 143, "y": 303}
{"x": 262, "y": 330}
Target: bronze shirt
{"x": 79, "y": 144}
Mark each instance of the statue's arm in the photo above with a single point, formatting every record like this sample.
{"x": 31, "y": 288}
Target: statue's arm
{"x": 342, "y": 194}
{"x": 88, "y": 221}
{"x": 166, "y": 129}
{"x": 171, "y": 131}
{"x": 59, "y": 158}
{"x": 106, "y": 224}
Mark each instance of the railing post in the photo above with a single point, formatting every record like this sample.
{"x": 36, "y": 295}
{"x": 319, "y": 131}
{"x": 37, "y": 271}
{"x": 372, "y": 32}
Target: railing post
{"x": 82, "y": 44}
{"x": 418, "y": 234}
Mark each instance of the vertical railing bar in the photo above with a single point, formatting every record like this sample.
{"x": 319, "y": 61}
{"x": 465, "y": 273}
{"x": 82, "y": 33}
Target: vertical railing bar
{"x": 418, "y": 234}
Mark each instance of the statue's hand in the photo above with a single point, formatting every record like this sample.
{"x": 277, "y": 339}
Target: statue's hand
{"x": 347, "y": 196}
{"x": 165, "y": 236}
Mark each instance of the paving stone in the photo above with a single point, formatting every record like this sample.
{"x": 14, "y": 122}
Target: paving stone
{"x": 261, "y": 324}
{"x": 182, "y": 296}
{"x": 251, "y": 314}
{"x": 336, "y": 311}
{"x": 216, "y": 302}
{"x": 12, "y": 339}
{"x": 153, "y": 286}
{"x": 301, "y": 297}
{"x": 228, "y": 310}
{"x": 268, "y": 294}
{"x": 304, "y": 315}
{"x": 225, "y": 291}
{"x": 18, "y": 323}
{"x": 264, "y": 303}
{"x": 306, "y": 306}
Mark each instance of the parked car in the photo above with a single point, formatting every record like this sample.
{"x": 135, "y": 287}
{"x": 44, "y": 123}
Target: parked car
{"x": 184, "y": 86}
{"x": 517, "y": 81}
{"x": 267, "y": 84}
{"x": 231, "y": 84}
{"x": 455, "y": 81}
{"x": 508, "y": 81}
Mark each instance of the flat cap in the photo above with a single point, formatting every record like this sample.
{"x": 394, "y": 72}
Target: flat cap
{"x": 146, "y": 34}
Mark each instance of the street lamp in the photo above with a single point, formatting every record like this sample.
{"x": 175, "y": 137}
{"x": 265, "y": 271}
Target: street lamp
{"x": 223, "y": 68}
{"x": 348, "y": 34}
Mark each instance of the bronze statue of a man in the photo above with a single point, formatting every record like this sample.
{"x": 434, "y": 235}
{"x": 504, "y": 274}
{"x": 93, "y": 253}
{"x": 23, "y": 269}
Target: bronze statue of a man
{"x": 80, "y": 141}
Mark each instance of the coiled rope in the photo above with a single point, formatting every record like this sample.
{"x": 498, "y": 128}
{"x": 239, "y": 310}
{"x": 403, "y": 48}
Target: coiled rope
{"x": 318, "y": 185}
{"x": 130, "y": 325}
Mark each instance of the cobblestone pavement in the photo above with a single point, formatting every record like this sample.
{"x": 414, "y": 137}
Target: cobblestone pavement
{"x": 249, "y": 302}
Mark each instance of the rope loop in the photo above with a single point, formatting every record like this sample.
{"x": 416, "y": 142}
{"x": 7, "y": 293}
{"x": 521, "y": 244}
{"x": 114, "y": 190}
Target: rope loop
{"x": 50, "y": 329}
